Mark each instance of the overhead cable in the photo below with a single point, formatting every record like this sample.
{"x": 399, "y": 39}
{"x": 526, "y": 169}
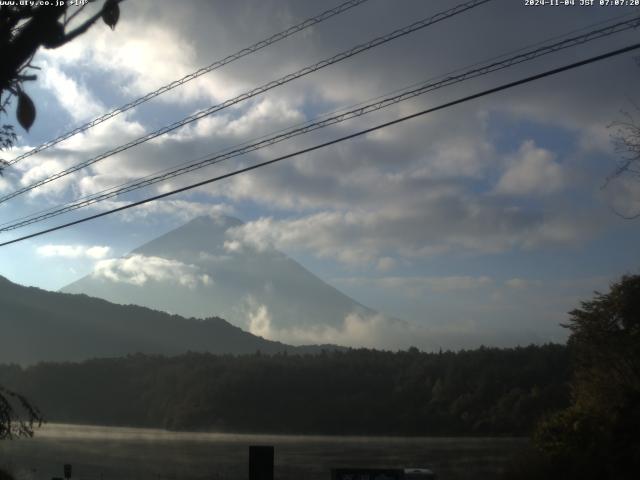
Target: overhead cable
{"x": 256, "y": 91}
{"x": 309, "y": 22}
{"x": 379, "y": 104}
{"x": 490, "y": 91}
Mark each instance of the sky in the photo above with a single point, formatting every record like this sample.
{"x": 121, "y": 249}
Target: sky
{"x": 489, "y": 220}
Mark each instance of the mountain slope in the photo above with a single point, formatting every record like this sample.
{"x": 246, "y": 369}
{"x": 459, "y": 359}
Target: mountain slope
{"x": 254, "y": 289}
{"x": 37, "y": 325}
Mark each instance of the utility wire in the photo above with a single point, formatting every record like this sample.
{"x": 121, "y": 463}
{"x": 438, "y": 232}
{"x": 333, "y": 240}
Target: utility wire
{"x": 360, "y": 110}
{"x": 309, "y": 22}
{"x": 38, "y": 213}
{"x": 256, "y": 91}
{"x": 490, "y": 91}
{"x": 334, "y": 112}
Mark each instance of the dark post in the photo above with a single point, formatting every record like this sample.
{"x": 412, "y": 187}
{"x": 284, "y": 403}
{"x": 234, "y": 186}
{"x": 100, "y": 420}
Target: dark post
{"x": 261, "y": 462}
{"x": 67, "y": 470}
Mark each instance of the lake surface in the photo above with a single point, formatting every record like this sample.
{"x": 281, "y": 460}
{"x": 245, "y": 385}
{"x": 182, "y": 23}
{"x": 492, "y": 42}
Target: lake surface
{"x": 110, "y": 453}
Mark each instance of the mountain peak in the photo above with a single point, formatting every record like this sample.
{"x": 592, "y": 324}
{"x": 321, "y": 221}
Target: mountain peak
{"x": 205, "y": 233}
{"x": 214, "y": 221}
{"x": 188, "y": 271}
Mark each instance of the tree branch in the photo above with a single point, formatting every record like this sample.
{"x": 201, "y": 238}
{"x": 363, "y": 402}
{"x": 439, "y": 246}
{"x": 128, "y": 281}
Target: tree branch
{"x": 74, "y": 14}
{"x": 86, "y": 24}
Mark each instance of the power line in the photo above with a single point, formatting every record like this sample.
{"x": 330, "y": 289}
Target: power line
{"x": 252, "y": 93}
{"x": 307, "y": 127}
{"x": 490, "y": 91}
{"x": 309, "y": 22}
{"x": 335, "y": 112}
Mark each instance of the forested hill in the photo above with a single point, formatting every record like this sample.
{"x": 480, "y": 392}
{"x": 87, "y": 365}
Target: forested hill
{"x": 479, "y": 392}
{"x": 37, "y": 325}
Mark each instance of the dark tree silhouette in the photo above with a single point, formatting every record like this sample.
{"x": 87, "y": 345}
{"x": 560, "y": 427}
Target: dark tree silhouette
{"x": 23, "y": 30}
{"x": 17, "y": 415}
{"x": 626, "y": 140}
{"x": 596, "y": 437}
{"x": 487, "y": 391}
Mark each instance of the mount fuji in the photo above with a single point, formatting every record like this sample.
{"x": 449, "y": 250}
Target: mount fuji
{"x": 189, "y": 272}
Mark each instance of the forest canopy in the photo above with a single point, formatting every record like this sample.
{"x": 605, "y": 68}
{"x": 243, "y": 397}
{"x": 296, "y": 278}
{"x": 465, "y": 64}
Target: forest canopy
{"x": 480, "y": 392}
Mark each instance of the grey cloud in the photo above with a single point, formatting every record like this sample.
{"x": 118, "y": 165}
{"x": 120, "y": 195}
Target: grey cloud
{"x": 422, "y": 225}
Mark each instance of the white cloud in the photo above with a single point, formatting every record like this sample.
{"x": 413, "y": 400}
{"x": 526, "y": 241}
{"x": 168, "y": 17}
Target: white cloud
{"x": 260, "y": 322}
{"x": 98, "y": 252}
{"x": 533, "y": 170}
{"x": 311, "y": 232}
{"x": 565, "y": 229}
{"x": 455, "y": 283}
{"x": 419, "y": 285}
{"x": 378, "y": 331}
{"x": 232, "y": 246}
{"x": 182, "y": 210}
{"x": 357, "y": 331}
{"x": 100, "y": 139}
{"x": 74, "y": 97}
{"x": 139, "y": 270}
{"x": 261, "y": 117}
{"x": 438, "y": 222}
{"x": 385, "y": 264}
{"x": 40, "y": 171}
{"x": 405, "y": 164}
{"x": 464, "y": 156}
{"x": 160, "y": 211}
{"x": 517, "y": 283}
{"x": 73, "y": 251}
{"x": 138, "y": 47}
{"x": 78, "y": 148}
{"x": 4, "y": 185}
{"x": 623, "y": 195}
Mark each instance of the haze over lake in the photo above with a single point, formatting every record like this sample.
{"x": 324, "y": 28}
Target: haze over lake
{"x": 106, "y": 453}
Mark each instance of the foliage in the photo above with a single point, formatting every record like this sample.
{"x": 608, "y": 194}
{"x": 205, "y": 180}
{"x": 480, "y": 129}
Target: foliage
{"x": 24, "y": 28}
{"x": 7, "y": 137}
{"x": 480, "y": 392}
{"x": 626, "y": 140}
{"x": 17, "y": 415}
{"x": 596, "y": 437}
{"x": 4, "y": 475}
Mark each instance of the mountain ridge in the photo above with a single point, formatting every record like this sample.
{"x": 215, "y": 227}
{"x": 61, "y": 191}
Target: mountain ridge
{"x": 39, "y": 325}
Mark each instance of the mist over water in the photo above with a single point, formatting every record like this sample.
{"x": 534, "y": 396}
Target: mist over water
{"x": 110, "y": 453}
